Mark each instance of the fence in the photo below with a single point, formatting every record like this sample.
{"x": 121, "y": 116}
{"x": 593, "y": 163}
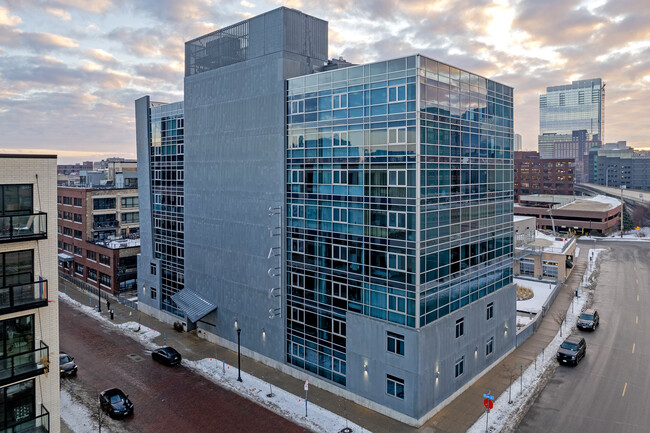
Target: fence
{"x": 131, "y": 304}
{"x": 532, "y": 326}
{"x": 95, "y": 291}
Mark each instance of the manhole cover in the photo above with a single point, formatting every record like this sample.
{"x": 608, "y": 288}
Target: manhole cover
{"x": 135, "y": 357}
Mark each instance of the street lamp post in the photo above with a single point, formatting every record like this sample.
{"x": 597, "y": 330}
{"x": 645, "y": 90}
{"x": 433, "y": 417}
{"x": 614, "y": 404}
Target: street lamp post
{"x": 239, "y": 355}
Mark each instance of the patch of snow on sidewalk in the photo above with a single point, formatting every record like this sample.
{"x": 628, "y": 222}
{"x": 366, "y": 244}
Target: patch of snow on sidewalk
{"x": 523, "y": 388}
{"x": 283, "y": 403}
{"x": 77, "y": 416}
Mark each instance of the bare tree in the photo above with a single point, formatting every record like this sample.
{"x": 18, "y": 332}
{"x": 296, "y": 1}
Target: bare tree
{"x": 510, "y": 370}
{"x": 559, "y": 317}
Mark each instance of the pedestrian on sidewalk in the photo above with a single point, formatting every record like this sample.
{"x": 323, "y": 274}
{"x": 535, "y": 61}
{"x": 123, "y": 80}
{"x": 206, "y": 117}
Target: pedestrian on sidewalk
{"x": 108, "y": 305}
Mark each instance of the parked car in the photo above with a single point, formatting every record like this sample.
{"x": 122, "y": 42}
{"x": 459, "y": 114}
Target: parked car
{"x": 572, "y": 350}
{"x": 589, "y": 319}
{"x": 115, "y": 403}
{"x": 167, "y": 355}
{"x": 67, "y": 365}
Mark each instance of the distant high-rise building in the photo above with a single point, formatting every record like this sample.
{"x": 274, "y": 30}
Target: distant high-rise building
{"x": 517, "y": 143}
{"x": 573, "y": 107}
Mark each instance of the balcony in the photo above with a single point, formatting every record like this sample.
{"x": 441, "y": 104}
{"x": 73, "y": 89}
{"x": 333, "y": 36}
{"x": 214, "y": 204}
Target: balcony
{"x": 18, "y": 228}
{"x": 25, "y": 364}
{"x": 20, "y": 297}
{"x": 106, "y": 225}
{"x": 38, "y": 423}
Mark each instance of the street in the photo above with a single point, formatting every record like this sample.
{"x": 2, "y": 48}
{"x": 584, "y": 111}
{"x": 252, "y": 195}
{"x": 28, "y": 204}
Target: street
{"x": 166, "y": 399}
{"x": 609, "y": 390}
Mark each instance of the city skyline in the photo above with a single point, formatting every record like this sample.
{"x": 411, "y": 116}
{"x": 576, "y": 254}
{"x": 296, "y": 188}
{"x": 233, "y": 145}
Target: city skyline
{"x": 70, "y": 71}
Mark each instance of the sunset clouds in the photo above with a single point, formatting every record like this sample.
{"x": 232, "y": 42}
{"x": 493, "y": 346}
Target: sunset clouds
{"x": 71, "y": 69}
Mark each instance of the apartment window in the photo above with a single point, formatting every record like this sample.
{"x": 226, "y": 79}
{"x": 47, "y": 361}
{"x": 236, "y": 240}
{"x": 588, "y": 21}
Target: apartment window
{"x": 396, "y": 177}
{"x": 130, "y": 217}
{"x": 340, "y": 177}
{"x": 78, "y": 234}
{"x": 79, "y": 268}
{"x": 395, "y": 343}
{"x": 16, "y": 267}
{"x": 297, "y": 211}
{"x": 460, "y": 327}
{"x": 340, "y": 139}
{"x": 129, "y": 202}
{"x": 396, "y": 135}
{"x": 338, "y": 327}
{"x": 67, "y": 231}
{"x": 16, "y": 199}
{"x": 67, "y": 216}
{"x": 339, "y": 101}
{"x": 152, "y": 268}
{"x": 78, "y": 251}
{"x": 490, "y": 310}
{"x": 67, "y": 247}
{"x": 339, "y": 252}
{"x": 397, "y": 220}
{"x": 297, "y": 315}
{"x": 459, "y": 366}
{"x": 104, "y": 280}
{"x": 396, "y": 262}
{"x": 77, "y": 202}
{"x": 397, "y": 93}
{"x": 67, "y": 201}
{"x": 340, "y": 290}
{"x": 92, "y": 274}
{"x": 59, "y": 230}
{"x": 154, "y": 292}
{"x": 297, "y": 245}
{"x": 91, "y": 255}
{"x": 104, "y": 260}
{"x": 395, "y": 386}
{"x": 397, "y": 303}
{"x": 78, "y": 218}
{"x": 489, "y": 346}
{"x": 297, "y": 176}
{"x": 339, "y": 214}
{"x": 298, "y": 107}
{"x": 104, "y": 203}
{"x": 58, "y": 199}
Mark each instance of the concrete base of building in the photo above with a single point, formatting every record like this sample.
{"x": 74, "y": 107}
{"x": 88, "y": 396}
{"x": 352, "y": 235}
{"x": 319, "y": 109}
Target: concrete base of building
{"x": 159, "y": 314}
{"x": 334, "y": 389}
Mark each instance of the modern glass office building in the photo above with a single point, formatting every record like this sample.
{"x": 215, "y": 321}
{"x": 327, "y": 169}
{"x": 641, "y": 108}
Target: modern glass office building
{"x": 161, "y": 149}
{"x": 574, "y": 107}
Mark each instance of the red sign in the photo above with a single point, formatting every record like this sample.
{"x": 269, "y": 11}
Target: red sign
{"x": 488, "y": 403}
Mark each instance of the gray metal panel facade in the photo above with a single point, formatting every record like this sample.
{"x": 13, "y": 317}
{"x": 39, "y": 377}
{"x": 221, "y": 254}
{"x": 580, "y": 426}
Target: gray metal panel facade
{"x": 235, "y": 136}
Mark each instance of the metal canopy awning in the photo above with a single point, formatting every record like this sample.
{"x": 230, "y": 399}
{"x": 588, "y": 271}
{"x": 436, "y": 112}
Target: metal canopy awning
{"x": 65, "y": 257}
{"x": 194, "y": 306}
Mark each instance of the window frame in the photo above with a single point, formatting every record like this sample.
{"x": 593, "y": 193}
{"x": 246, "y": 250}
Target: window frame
{"x": 460, "y": 327}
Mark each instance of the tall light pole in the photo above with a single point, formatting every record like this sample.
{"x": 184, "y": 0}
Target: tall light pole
{"x": 238, "y": 355}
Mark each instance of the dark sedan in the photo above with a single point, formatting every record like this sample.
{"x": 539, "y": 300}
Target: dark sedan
{"x": 67, "y": 366}
{"x": 167, "y": 355}
{"x": 115, "y": 403}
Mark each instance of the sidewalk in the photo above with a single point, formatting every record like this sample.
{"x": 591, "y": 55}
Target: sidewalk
{"x": 458, "y": 416}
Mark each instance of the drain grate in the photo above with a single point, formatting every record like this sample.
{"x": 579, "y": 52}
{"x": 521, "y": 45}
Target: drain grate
{"x": 135, "y": 357}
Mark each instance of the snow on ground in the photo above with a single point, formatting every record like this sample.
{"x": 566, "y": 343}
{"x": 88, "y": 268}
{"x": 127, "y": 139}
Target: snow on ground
{"x": 643, "y": 233}
{"x": 541, "y": 292}
{"x": 507, "y": 414}
{"x": 523, "y": 320}
{"x": 77, "y": 416}
{"x": 283, "y": 403}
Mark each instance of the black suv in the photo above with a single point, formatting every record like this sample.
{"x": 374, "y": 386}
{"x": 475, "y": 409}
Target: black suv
{"x": 589, "y": 319}
{"x": 572, "y": 350}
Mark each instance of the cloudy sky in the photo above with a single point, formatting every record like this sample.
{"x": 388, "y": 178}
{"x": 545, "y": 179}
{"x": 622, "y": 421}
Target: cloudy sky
{"x": 71, "y": 69}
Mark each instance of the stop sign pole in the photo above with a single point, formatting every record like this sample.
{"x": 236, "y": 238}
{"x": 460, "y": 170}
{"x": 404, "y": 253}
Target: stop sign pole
{"x": 488, "y": 403}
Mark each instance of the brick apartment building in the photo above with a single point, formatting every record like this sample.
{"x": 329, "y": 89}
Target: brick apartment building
{"x": 99, "y": 236}
{"x": 534, "y": 175}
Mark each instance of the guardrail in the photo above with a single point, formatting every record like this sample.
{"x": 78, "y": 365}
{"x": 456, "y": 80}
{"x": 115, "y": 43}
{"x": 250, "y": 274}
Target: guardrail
{"x": 18, "y": 228}
{"x": 20, "y": 297}
{"x": 25, "y": 364}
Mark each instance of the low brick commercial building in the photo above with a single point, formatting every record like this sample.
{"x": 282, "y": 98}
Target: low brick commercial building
{"x": 534, "y": 175}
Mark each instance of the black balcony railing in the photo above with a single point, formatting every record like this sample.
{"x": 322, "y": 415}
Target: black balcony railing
{"x": 21, "y": 297}
{"x": 39, "y": 422}
{"x": 17, "y": 228}
{"x": 24, "y": 363}
{"x": 106, "y": 224}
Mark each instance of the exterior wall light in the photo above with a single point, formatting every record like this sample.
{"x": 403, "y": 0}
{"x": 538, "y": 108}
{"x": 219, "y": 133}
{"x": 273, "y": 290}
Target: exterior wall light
{"x": 365, "y": 367}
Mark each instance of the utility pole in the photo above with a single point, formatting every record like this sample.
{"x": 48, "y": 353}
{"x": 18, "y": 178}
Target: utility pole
{"x": 622, "y": 206}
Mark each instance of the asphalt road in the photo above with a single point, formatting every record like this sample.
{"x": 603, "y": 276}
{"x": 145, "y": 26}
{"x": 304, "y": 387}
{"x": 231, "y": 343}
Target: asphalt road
{"x": 609, "y": 390}
{"x": 166, "y": 399}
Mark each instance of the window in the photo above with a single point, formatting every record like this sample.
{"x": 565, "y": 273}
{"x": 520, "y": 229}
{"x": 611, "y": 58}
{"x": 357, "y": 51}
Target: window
{"x": 395, "y": 343}
{"x": 91, "y": 255}
{"x": 104, "y": 260}
{"x": 67, "y": 201}
{"x": 340, "y": 290}
{"x": 77, "y": 202}
{"x": 67, "y": 216}
{"x": 397, "y": 220}
{"x": 340, "y": 101}
{"x": 297, "y": 245}
{"x": 16, "y": 267}
{"x": 67, "y": 247}
{"x": 58, "y": 199}
{"x": 296, "y": 142}
{"x": 396, "y": 262}
{"x": 340, "y": 139}
{"x": 397, "y": 303}
{"x": 77, "y": 218}
{"x": 297, "y": 211}
{"x": 104, "y": 280}
{"x": 460, "y": 327}
{"x": 104, "y": 203}
{"x": 396, "y": 177}
{"x": 78, "y": 251}
{"x": 459, "y": 366}
{"x": 130, "y": 217}
{"x": 297, "y": 315}
{"x": 395, "y": 386}
{"x": 397, "y": 93}
{"x": 339, "y": 252}
{"x": 338, "y": 327}
{"x": 152, "y": 268}
{"x": 490, "y": 310}
{"x": 396, "y": 135}
{"x": 297, "y": 176}
{"x": 154, "y": 292}
{"x": 339, "y": 214}
{"x": 67, "y": 231}
{"x": 79, "y": 268}
{"x": 78, "y": 234}
{"x": 489, "y": 346}
{"x": 549, "y": 269}
{"x": 340, "y": 177}
{"x": 527, "y": 266}
{"x": 129, "y": 202}
{"x": 298, "y": 106}
{"x": 92, "y": 274}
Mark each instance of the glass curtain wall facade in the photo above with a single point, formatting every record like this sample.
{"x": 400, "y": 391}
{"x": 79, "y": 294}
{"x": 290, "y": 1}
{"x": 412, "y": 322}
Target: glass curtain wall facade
{"x": 166, "y": 153}
{"x": 573, "y": 107}
{"x": 399, "y": 200}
